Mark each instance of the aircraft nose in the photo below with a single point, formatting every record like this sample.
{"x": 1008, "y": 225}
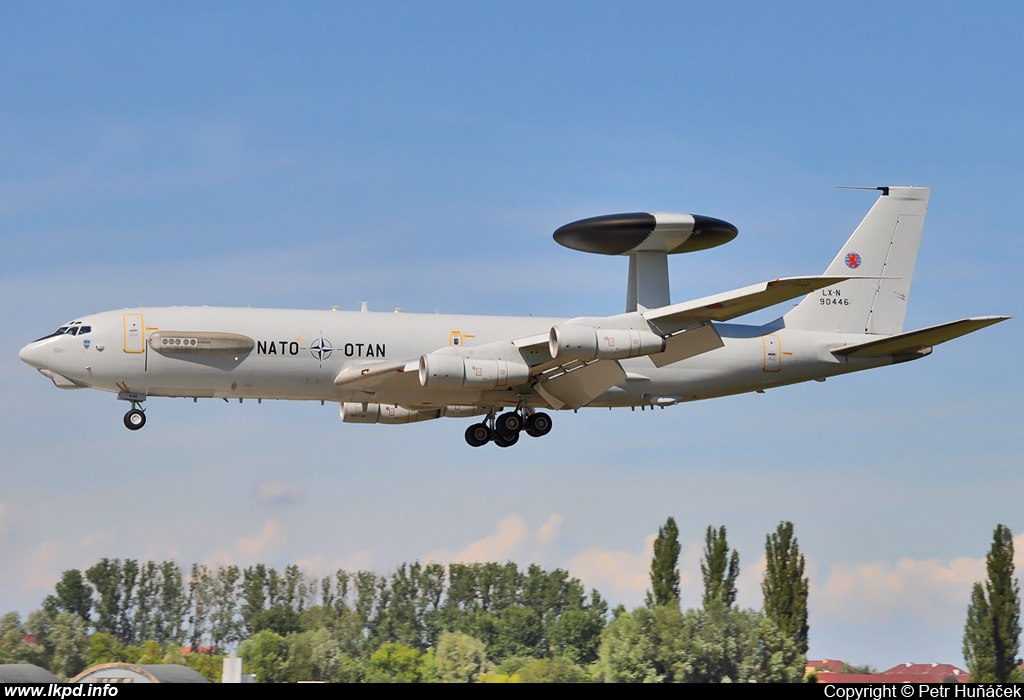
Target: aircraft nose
{"x": 32, "y": 355}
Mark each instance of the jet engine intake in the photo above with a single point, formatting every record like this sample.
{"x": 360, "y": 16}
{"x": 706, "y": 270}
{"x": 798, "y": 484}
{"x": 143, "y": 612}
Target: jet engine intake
{"x": 439, "y": 371}
{"x": 388, "y": 414}
{"x": 577, "y": 342}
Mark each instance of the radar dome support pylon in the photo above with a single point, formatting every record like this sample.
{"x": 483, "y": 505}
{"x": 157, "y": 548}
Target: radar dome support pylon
{"x": 648, "y": 239}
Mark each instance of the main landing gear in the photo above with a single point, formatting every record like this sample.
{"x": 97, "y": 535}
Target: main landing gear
{"x": 504, "y": 430}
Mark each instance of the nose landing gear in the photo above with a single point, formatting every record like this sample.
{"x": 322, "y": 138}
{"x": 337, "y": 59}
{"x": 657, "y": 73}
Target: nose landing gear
{"x": 136, "y": 417}
{"x": 504, "y": 430}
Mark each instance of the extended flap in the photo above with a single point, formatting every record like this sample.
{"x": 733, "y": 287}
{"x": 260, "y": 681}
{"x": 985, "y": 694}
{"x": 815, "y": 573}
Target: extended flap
{"x": 688, "y": 344}
{"x": 579, "y": 387}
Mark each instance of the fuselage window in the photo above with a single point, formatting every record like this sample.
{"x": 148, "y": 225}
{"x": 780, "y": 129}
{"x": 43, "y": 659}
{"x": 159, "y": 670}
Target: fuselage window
{"x": 84, "y": 329}
{"x": 73, "y": 330}
{"x": 61, "y": 331}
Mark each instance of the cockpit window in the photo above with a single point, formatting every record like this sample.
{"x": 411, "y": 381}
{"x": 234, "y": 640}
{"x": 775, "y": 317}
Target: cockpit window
{"x": 73, "y": 328}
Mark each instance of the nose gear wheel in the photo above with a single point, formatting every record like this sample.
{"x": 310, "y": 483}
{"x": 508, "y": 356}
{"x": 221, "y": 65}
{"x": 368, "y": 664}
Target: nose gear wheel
{"x": 134, "y": 419}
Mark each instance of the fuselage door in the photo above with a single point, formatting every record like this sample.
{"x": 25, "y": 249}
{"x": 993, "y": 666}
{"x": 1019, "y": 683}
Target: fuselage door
{"x": 134, "y": 337}
{"x": 772, "y": 354}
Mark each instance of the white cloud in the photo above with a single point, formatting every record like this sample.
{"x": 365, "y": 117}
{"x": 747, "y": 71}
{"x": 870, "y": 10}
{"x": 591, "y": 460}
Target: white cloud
{"x": 44, "y": 565}
{"x": 500, "y": 546}
{"x": 273, "y": 491}
{"x": 934, "y": 591}
{"x": 550, "y": 530}
{"x": 319, "y": 566}
{"x": 625, "y": 573}
{"x": 250, "y": 548}
{"x": 258, "y": 545}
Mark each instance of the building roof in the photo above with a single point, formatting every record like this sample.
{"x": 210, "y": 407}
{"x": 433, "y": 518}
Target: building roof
{"x": 825, "y": 665}
{"x": 26, "y": 673}
{"x": 925, "y": 672}
{"x": 829, "y": 677}
{"x": 140, "y": 673}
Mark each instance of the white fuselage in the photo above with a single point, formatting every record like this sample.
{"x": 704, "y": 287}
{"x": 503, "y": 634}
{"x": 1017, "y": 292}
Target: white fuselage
{"x": 297, "y": 355}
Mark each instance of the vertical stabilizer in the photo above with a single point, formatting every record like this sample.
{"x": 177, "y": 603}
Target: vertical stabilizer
{"x": 883, "y": 248}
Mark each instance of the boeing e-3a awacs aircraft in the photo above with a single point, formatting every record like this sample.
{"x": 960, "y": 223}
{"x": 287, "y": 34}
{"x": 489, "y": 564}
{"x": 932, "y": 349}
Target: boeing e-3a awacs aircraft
{"x": 401, "y": 368}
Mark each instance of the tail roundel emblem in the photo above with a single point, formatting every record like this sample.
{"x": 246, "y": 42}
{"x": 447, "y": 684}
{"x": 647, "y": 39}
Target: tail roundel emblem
{"x": 853, "y": 261}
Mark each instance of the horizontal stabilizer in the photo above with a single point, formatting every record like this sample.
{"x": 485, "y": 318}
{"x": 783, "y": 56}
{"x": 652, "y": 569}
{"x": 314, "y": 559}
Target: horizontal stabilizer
{"x": 738, "y": 302}
{"x": 916, "y": 341}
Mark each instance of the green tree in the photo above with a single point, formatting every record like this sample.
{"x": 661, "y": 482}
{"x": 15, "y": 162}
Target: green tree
{"x": 73, "y": 595}
{"x": 776, "y": 658}
{"x": 665, "y": 566}
{"x": 555, "y": 670}
{"x": 460, "y": 658}
{"x": 400, "y": 663}
{"x": 104, "y": 649}
{"x": 67, "y": 645}
{"x": 299, "y": 664}
{"x": 719, "y": 568}
{"x": 168, "y": 625}
{"x": 225, "y": 625}
{"x": 126, "y": 620}
{"x": 629, "y": 649}
{"x": 209, "y": 665}
{"x": 992, "y": 631}
{"x": 266, "y": 655}
{"x": 576, "y": 634}
{"x": 200, "y": 594}
{"x": 518, "y": 631}
{"x": 324, "y": 656}
{"x": 13, "y": 647}
{"x": 105, "y": 575}
{"x": 146, "y": 602}
{"x": 784, "y": 586}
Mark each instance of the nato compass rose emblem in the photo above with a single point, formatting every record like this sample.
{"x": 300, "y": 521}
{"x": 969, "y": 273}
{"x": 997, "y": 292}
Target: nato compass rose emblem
{"x": 321, "y": 349}
{"x": 853, "y": 261}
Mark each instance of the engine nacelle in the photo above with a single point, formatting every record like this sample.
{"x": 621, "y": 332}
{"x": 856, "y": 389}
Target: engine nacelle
{"x": 388, "y": 414}
{"x": 439, "y": 371}
{"x": 577, "y": 342}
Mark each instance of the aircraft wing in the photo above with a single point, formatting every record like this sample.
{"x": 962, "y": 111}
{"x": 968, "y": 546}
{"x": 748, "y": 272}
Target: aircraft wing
{"x": 686, "y": 327}
{"x": 738, "y": 302}
{"x": 918, "y": 341}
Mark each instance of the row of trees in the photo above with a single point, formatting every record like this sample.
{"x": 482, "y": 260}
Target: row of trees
{"x": 717, "y": 642}
{"x": 490, "y": 621}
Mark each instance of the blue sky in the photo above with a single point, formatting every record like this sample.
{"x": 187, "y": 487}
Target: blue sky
{"x": 419, "y": 156}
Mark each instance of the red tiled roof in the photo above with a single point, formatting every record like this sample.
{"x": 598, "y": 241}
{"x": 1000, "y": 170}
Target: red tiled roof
{"x": 926, "y": 672}
{"x": 829, "y": 665}
{"x": 851, "y": 678}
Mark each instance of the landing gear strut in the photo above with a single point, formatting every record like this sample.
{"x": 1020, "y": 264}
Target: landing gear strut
{"x": 504, "y": 430}
{"x": 136, "y": 417}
